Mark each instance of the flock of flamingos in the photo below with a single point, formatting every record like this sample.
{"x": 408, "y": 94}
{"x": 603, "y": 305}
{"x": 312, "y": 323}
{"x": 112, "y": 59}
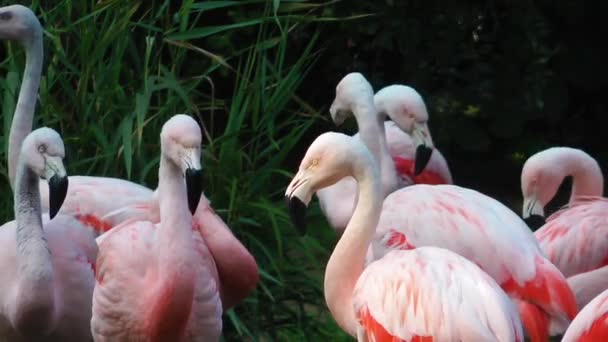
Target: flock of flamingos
{"x": 418, "y": 259}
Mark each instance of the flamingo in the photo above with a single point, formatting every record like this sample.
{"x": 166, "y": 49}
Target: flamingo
{"x": 407, "y": 110}
{"x": 158, "y": 282}
{"x": 393, "y": 148}
{"x": 405, "y": 106}
{"x": 426, "y": 294}
{"x": 575, "y": 238}
{"x": 96, "y": 201}
{"x": 47, "y": 261}
{"x": 480, "y": 229}
{"x": 591, "y": 324}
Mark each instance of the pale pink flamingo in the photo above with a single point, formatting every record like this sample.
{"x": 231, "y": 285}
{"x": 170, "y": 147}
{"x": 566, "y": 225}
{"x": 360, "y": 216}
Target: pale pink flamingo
{"x": 591, "y": 324}
{"x": 407, "y": 109}
{"x": 93, "y": 200}
{"x": 426, "y": 294}
{"x": 158, "y": 282}
{"x": 482, "y": 230}
{"x": 575, "y": 238}
{"x": 393, "y": 148}
{"x": 47, "y": 262}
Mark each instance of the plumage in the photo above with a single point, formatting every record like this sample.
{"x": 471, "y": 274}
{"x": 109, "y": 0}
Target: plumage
{"x": 432, "y": 292}
{"x": 591, "y": 324}
{"x": 480, "y": 229}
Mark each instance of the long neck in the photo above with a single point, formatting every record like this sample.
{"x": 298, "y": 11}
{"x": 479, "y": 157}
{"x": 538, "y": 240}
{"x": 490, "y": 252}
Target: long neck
{"x": 347, "y": 260}
{"x": 587, "y": 179}
{"x": 365, "y": 114}
{"x": 388, "y": 172}
{"x": 26, "y": 104}
{"x": 35, "y": 268}
{"x": 175, "y": 286}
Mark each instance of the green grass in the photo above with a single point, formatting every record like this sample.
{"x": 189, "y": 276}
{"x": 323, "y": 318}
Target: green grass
{"x": 116, "y": 70}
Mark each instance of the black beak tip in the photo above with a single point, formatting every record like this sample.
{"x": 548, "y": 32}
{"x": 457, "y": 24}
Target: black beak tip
{"x": 194, "y": 186}
{"x": 535, "y": 221}
{"x": 58, "y": 190}
{"x": 297, "y": 213}
{"x": 423, "y": 155}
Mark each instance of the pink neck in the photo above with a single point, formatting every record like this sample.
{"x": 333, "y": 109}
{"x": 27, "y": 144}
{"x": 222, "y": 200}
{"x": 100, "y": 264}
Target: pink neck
{"x": 347, "y": 260}
{"x": 174, "y": 290}
{"x": 587, "y": 179}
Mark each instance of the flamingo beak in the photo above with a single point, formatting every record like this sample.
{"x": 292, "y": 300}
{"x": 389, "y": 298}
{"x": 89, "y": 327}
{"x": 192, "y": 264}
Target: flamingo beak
{"x": 58, "y": 184}
{"x": 194, "y": 186}
{"x": 194, "y": 177}
{"x": 424, "y": 146}
{"x": 298, "y": 196}
{"x": 533, "y": 213}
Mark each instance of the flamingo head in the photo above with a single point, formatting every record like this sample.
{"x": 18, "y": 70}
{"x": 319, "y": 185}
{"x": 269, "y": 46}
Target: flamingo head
{"x": 181, "y": 143}
{"x": 352, "y": 91}
{"x": 540, "y": 180}
{"x": 407, "y": 109}
{"x": 19, "y": 23}
{"x": 331, "y": 157}
{"x": 44, "y": 151}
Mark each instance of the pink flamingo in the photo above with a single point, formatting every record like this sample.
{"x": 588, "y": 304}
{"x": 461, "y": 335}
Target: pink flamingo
{"x": 392, "y": 147}
{"x": 426, "y": 294}
{"x": 409, "y": 137}
{"x": 95, "y": 200}
{"x": 480, "y": 229}
{"x": 575, "y": 238}
{"x": 158, "y": 282}
{"x": 47, "y": 261}
{"x": 591, "y": 324}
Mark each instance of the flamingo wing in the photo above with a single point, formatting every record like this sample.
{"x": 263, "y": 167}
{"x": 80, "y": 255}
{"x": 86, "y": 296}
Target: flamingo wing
{"x": 126, "y": 269}
{"x": 591, "y": 324}
{"x": 432, "y": 294}
{"x": 575, "y": 239}
{"x": 480, "y": 229}
{"x": 89, "y": 199}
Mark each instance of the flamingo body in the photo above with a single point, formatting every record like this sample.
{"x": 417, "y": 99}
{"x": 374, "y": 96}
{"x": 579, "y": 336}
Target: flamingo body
{"x": 432, "y": 294}
{"x": 127, "y": 268}
{"x": 73, "y": 250}
{"x": 575, "y": 239}
{"x": 591, "y": 324}
{"x": 482, "y": 230}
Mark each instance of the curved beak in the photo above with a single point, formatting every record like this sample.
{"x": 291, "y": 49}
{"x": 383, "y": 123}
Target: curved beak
{"x": 533, "y": 212}
{"x": 58, "y": 184}
{"x": 424, "y": 146}
{"x": 298, "y": 195}
{"x": 194, "y": 177}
